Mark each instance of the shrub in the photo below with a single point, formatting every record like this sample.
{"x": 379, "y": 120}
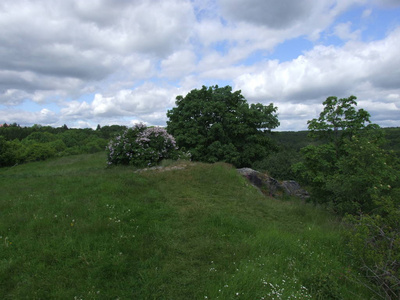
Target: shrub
{"x": 36, "y": 152}
{"x": 7, "y": 157}
{"x": 375, "y": 244}
{"x": 41, "y": 137}
{"x": 279, "y": 164}
{"x": 93, "y": 144}
{"x": 141, "y": 146}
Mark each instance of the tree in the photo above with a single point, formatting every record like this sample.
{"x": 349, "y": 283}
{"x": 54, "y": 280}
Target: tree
{"x": 351, "y": 166}
{"x": 339, "y": 121}
{"x": 216, "y": 124}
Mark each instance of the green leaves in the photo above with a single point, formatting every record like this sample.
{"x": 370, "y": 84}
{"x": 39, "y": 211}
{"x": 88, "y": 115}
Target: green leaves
{"x": 349, "y": 169}
{"x": 216, "y": 124}
{"x": 355, "y": 176}
{"x": 339, "y": 119}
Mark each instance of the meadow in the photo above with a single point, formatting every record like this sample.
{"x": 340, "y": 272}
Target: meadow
{"x": 72, "y": 228}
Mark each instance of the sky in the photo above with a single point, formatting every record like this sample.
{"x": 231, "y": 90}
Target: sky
{"x": 84, "y": 63}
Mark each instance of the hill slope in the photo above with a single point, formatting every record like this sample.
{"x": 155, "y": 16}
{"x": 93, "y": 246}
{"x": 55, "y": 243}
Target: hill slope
{"x": 72, "y": 229}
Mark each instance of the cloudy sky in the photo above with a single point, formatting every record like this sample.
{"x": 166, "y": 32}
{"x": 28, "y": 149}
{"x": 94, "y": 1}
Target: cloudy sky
{"x": 90, "y": 62}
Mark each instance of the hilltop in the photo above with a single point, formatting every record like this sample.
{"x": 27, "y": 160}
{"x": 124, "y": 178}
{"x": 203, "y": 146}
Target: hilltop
{"x": 71, "y": 228}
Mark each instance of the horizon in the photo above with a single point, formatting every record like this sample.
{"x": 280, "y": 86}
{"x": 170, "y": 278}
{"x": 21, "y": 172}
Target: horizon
{"x": 95, "y": 127}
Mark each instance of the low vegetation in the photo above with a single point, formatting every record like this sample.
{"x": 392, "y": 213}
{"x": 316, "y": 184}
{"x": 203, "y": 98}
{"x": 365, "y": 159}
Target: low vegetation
{"x": 26, "y": 144}
{"x": 71, "y": 228}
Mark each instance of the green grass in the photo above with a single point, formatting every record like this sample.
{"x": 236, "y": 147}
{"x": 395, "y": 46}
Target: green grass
{"x": 73, "y": 229}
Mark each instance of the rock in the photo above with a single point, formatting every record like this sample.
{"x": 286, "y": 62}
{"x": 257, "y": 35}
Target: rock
{"x": 272, "y": 187}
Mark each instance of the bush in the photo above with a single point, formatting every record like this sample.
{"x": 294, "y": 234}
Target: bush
{"x": 93, "y": 144}
{"x": 7, "y": 157}
{"x": 279, "y": 164}
{"x": 36, "y": 152}
{"x": 41, "y": 137}
{"x": 375, "y": 244}
{"x": 142, "y": 147}
{"x": 58, "y": 145}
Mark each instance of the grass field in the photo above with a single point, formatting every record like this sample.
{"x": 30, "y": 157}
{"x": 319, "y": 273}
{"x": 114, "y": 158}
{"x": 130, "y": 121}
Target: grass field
{"x": 70, "y": 228}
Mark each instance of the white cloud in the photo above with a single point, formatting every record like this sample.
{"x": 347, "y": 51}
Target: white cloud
{"x": 179, "y": 64}
{"x": 135, "y": 57}
{"x": 366, "y": 13}
{"x": 327, "y": 70}
{"x": 343, "y": 31}
{"x": 146, "y": 100}
{"x": 70, "y": 46}
{"x": 42, "y": 117}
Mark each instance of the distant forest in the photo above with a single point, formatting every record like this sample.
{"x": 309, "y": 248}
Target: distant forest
{"x": 20, "y": 144}
{"x": 299, "y": 139}
{"x": 25, "y": 144}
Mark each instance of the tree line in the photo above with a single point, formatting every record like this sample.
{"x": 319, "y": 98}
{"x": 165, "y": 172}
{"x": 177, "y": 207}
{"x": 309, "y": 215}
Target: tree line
{"x": 26, "y": 144}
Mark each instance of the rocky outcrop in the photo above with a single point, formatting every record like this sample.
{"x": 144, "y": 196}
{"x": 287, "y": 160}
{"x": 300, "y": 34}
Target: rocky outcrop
{"x": 272, "y": 187}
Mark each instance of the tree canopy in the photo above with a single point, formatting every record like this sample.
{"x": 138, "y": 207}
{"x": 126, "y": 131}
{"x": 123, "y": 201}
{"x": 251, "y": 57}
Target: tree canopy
{"x": 351, "y": 169}
{"x": 216, "y": 124}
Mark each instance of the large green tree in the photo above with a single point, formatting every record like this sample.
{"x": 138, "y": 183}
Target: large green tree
{"x": 349, "y": 170}
{"x": 216, "y": 124}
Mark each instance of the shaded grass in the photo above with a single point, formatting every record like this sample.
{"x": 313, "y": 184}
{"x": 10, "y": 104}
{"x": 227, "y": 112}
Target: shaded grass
{"x": 72, "y": 229}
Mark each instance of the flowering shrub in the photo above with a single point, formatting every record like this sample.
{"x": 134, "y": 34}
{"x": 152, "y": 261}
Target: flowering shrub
{"x": 141, "y": 146}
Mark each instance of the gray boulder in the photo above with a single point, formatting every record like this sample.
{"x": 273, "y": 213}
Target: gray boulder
{"x": 272, "y": 187}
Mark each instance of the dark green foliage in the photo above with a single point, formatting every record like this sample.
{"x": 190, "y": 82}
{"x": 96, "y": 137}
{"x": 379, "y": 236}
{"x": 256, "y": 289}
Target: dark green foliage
{"x": 13, "y": 131}
{"x": 94, "y": 144}
{"x": 279, "y": 164}
{"x": 108, "y": 132}
{"x": 342, "y": 171}
{"x": 216, "y": 124}
{"x": 23, "y": 144}
{"x": 295, "y": 140}
{"x": 41, "y": 137}
{"x": 392, "y": 136}
{"x": 292, "y": 139}
{"x": 7, "y": 155}
{"x": 37, "y": 151}
{"x": 375, "y": 244}
{"x": 339, "y": 120}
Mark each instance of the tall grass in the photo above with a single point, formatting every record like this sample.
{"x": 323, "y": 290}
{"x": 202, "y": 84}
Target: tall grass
{"x": 73, "y": 229}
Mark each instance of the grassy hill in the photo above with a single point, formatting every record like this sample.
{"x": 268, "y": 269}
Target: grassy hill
{"x": 70, "y": 228}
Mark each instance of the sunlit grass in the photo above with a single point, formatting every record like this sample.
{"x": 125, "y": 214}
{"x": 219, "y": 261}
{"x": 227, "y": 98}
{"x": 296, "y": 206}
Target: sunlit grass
{"x": 73, "y": 229}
